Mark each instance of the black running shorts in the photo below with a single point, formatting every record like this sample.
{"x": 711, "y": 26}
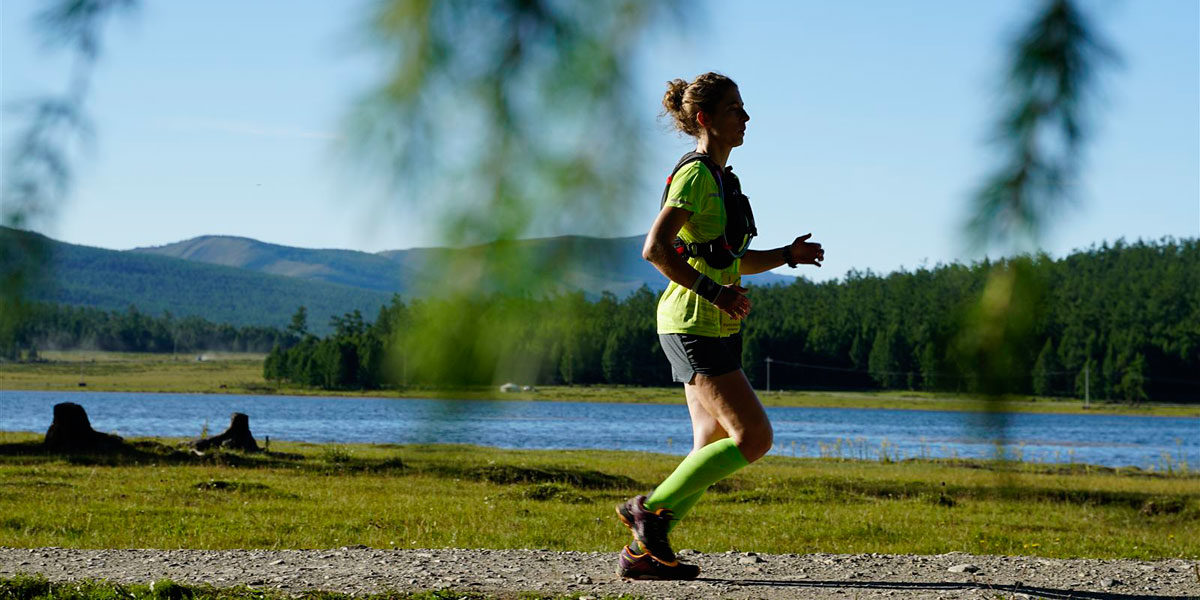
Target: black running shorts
{"x": 691, "y": 354}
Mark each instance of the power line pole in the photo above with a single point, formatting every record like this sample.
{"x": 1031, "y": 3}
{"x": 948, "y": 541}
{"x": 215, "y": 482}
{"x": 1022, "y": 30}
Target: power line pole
{"x": 768, "y": 373}
{"x": 1087, "y": 387}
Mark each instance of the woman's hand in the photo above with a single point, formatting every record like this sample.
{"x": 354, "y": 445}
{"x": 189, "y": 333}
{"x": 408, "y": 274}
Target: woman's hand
{"x": 733, "y": 301}
{"x": 805, "y": 252}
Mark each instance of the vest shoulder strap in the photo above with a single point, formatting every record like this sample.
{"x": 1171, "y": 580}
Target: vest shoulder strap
{"x": 687, "y": 159}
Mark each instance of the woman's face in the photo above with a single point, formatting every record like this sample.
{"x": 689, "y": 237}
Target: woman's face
{"x": 727, "y": 124}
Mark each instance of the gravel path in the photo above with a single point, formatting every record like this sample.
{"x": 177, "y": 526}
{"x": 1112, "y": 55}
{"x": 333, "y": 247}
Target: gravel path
{"x": 505, "y": 573}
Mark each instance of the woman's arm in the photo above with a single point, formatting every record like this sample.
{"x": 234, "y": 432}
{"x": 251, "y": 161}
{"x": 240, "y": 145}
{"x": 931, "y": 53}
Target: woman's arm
{"x": 800, "y": 251}
{"x": 659, "y": 248}
{"x": 757, "y": 261}
{"x": 660, "y": 251}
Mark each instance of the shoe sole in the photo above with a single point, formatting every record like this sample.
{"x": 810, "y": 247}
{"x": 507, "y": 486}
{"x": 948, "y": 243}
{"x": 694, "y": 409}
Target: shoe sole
{"x": 652, "y": 577}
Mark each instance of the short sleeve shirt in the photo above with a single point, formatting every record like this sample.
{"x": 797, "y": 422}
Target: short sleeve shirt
{"x": 680, "y": 310}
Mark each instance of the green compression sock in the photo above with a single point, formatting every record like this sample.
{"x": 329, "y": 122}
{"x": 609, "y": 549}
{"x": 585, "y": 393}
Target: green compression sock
{"x": 683, "y": 508}
{"x": 699, "y": 470}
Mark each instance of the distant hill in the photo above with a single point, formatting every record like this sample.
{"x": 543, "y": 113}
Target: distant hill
{"x": 342, "y": 267}
{"x": 592, "y": 265}
{"x": 242, "y": 281}
{"x": 113, "y": 280}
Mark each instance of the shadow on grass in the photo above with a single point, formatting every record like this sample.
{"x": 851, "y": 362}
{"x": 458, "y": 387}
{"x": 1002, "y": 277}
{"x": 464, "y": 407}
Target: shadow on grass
{"x": 152, "y": 453}
{"x": 587, "y": 479}
{"x": 548, "y": 481}
{"x": 830, "y": 489}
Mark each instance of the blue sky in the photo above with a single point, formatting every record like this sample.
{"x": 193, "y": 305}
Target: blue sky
{"x": 868, "y": 122}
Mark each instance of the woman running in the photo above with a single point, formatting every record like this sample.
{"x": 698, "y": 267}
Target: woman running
{"x": 699, "y": 242}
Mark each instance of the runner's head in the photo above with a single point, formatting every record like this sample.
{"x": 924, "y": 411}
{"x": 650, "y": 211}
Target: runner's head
{"x": 708, "y": 107}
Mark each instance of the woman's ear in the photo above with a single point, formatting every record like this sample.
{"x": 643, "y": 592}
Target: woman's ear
{"x": 702, "y": 118}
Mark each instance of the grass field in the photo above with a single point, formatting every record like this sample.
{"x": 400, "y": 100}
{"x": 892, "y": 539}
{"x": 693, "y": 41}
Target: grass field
{"x": 22, "y": 587}
{"x": 242, "y": 374}
{"x": 319, "y": 496}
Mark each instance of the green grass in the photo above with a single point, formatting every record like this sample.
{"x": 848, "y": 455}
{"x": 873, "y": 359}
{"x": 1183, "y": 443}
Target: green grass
{"x": 242, "y": 374}
{"x": 130, "y": 372}
{"x": 39, "y": 588}
{"x": 313, "y": 496}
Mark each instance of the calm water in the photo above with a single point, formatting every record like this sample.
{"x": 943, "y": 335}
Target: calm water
{"x": 854, "y": 433}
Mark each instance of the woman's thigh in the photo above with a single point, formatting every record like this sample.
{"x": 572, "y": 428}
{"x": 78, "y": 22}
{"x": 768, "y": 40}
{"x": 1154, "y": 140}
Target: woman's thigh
{"x": 731, "y": 402}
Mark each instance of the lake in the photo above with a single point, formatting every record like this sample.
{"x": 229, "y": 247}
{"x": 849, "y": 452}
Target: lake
{"x": 1146, "y": 442}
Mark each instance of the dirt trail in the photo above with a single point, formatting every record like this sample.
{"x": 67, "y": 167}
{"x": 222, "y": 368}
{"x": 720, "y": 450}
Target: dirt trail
{"x": 505, "y": 573}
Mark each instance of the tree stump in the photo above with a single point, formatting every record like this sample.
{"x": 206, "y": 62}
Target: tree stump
{"x": 71, "y": 431}
{"x": 237, "y": 437}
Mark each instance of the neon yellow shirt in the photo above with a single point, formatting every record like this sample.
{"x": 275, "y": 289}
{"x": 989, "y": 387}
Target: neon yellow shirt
{"x": 680, "y": 310}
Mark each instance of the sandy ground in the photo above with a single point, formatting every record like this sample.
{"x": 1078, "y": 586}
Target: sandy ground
{"x": 506, "y": 573}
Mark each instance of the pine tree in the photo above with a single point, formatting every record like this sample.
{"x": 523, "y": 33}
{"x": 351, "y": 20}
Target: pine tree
{"x": 1108, "y": 373}
{"x": 1132, "y": 386}
{"x": 1044, "y": 370}
{"x": 884, "y": 362}
{"x": 859, "y": 352}
{"x": 930, "y": 365}
{"x": 617, "y": 355}
{"x": 272, "y": 365}
{"x": 299, "y": 325}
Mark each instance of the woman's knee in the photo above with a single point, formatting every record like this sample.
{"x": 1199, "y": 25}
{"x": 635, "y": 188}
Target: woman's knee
{"x": 756, "y": 442}
{"x": 714, "y": 435}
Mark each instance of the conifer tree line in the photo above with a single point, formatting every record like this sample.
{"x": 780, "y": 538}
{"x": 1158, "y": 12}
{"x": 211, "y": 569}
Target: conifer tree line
{"x": 52, "y": 327}
{"x": 1122, "y": 320}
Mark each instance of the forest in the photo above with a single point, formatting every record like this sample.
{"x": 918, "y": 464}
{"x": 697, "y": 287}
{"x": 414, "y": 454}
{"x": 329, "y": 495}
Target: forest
{"x": 1120, "y": 321}
{"x": 49, "y": 326}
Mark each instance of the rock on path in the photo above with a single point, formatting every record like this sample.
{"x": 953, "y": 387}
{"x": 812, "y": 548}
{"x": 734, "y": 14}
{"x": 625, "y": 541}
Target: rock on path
{"x": 505, "y": 573}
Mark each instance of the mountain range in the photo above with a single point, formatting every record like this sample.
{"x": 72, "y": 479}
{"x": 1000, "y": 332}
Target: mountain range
{"x": 243, "y": 281}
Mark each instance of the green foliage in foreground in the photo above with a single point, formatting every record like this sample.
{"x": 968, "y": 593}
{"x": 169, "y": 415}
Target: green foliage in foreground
{"x": 39, "y": 588}
{"x": 314, "y": 496}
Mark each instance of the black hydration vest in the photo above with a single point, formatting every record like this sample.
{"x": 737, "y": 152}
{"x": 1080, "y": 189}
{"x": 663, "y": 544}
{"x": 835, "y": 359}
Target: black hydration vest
{"x": 720, "y": 251}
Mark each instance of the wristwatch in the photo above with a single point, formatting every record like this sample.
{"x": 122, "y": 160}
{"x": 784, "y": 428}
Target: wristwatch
{"x": 788, "y": 258}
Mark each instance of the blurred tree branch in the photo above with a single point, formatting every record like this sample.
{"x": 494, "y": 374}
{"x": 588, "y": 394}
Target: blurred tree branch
{"x": 37, "y": 170}
{"x": 1042, "y": 126}
{"x": 1040, "y": 133}
{"x": 497, "y": 120}
{"x": 505, "y": 117}
{"x": 37, "y": 165}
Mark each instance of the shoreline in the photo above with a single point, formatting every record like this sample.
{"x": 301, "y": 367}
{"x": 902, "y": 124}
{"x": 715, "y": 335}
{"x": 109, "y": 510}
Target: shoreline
{"x": 231, "y": 373}
{"x": 882, "y": 400}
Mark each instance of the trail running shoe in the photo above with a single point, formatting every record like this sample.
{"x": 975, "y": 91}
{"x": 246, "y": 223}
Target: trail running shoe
{"x": 646, "y": 567}
{"x": 649, "y": 528}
